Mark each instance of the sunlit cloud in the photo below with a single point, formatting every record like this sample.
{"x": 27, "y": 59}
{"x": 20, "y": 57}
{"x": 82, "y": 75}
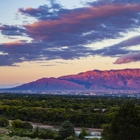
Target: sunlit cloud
{"x": 68, "y": 34}
{"x": 131, "y": 57}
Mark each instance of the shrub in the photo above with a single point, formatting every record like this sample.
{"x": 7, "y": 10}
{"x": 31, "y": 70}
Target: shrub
{"x": 21, "y": 124}
{"x": 4, "y": 122}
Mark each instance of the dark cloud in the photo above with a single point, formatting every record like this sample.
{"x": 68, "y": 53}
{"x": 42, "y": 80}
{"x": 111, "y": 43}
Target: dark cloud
{"x": 43, "y": 12}
{"x": 122, "y": 47}
{"x": 20, "y": 51}
{"x": 133, "y": 41}
{"x": 61, "y": 33}
{"x": 106, "y": 2}
{"x": 114, "y": 52}
{"x": 86, "y": 25}
{"x": 12, "y": 30}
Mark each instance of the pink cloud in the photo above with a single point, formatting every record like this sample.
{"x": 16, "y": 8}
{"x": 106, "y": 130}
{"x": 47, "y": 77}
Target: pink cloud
{"x": 82, "y": 18}
{"x": 131, "y": 57}
{"x": 57, "y": 27}
{"x": 14, "y": 43}
{"x": 29, "y": 10}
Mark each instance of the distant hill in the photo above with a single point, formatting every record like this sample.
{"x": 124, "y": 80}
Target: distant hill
{"x": 126, "y": 79}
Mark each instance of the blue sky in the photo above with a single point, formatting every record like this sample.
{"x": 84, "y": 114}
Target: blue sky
{"x": 53, "y": 38}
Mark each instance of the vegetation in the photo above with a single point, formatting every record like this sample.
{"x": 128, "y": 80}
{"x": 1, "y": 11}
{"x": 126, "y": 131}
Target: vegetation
{"x": 4, "y": 122}
{"x": 81, "y": 111}
{"x": 70, "y": 111}
{"x": 125, "y": 124}
{"x": 66, "y": 130}
{"x": 5, "y": 137}
{"x": 21, "y": 124}
{"x": 83, "y": 133}
{"x": 18, "y": 131}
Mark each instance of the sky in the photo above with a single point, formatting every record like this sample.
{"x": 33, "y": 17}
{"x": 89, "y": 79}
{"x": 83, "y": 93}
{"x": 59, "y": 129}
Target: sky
{"x": 50, "y": 38}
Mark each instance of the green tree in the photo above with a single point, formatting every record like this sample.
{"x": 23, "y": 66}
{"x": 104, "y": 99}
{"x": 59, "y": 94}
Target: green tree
{"x": 4, "y": 122}
{"x": 46, "y": 134}
{"x": 70, "y": 138}
{"x": 125, "y": 124}
{"x": 66, "y": 130}
{"x": 21, "y": 124}
{"x": 26, "y": 125}
{"x": 106, "y": 131}
{"x": 83, "y": 133}
{"x": 36, "y": 132}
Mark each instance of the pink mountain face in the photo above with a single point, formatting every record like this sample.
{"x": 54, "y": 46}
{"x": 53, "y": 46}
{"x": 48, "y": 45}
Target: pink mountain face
{"x": 127, "y": 79}
{"x": 50, "y": 84}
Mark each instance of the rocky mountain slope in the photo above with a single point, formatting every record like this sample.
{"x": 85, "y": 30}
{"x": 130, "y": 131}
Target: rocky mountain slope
{"x": 125, "y": 79}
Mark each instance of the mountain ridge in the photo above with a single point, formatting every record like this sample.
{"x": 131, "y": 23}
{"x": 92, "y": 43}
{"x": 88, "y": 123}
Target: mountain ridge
{"x": 124, "y": 79}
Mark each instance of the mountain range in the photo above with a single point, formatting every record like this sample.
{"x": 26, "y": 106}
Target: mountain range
{"x": 125, "y": 79}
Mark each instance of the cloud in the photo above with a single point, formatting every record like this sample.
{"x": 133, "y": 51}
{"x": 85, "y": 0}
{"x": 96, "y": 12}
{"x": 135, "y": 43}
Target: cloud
{"x": 131, "y": 57}
{"x": 61, "y": 33}
{"x": 42, "y": 12}
{"x": 133, "y": 41}
{"x": 21, "y": 51}
{"x": 11, "y": 30}
{"x": 85, "y": 25}
{"x": 61, "y": 62}
{"x": 121, "y": 47}
{"x": 47, "y": 65}
{"x": 105, "y": 2}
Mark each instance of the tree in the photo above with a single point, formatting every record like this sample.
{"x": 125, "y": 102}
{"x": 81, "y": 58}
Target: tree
{"x": 4, "y": 122}
{"x": 21, "y": 124}
{"x": 106, "y": 131}
{"x": 46, "y": 134}
{"x": 83, "y": 133}
{"x": 36, "y": 132}
{"x": 125, "y": 124}
{"x": 26, "y": 125}
{"x": 66, "y": 130}
{"x": 70, "y": 138}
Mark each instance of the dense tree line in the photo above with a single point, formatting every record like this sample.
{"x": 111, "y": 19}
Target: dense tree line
{"x": 83, "y": 111}
{"x": 125, "y": 124}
